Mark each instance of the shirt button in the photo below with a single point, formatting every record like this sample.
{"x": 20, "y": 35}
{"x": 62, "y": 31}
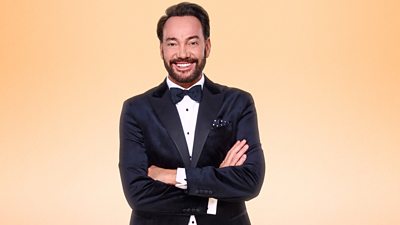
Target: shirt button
{"x": 187, "y": 133}
{"x": 187, "y": 110}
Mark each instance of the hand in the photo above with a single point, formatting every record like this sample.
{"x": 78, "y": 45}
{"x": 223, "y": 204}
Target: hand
{"x": 167, "y": 176}
{"x": 236, "y": 155}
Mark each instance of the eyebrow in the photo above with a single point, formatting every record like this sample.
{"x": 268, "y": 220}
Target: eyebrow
{"x": 189, "y": 38}
{"x": 193, "y": 37}
{"x": 171, "y": 39}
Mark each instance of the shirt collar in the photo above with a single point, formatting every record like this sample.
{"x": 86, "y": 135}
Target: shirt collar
{"x": 173, "y": 85}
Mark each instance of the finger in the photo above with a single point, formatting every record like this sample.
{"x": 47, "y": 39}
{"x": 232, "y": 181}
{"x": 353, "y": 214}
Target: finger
{"x": 223, "y": 164}
{"x": 231, "y": 152}
{"x": 236, "y": 148}
{"x": 239, "y": 154}
{"x": 150, "y": 171}
{"x": 230, "y": 156}
{"x": 241, "y": 160}
{"x": 153, "y": 172}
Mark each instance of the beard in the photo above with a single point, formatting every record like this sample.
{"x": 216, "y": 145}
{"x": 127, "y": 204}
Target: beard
{"x": 189, "y": 78}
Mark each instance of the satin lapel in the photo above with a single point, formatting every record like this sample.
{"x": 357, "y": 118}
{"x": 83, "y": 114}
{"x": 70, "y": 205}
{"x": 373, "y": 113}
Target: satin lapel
{"x": 208, "y": 109}
{"x": 169, "y": 117}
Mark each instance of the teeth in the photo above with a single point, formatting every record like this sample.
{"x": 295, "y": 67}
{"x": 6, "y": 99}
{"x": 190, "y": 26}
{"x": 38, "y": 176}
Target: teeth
{"x": 183, "y": 64}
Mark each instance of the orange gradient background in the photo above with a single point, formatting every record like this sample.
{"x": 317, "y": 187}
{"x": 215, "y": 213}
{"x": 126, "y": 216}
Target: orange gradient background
{"x": 325, "y": 76}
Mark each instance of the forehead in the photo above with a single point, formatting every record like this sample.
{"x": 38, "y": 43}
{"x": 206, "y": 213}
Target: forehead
{"x": 182, "y": 27}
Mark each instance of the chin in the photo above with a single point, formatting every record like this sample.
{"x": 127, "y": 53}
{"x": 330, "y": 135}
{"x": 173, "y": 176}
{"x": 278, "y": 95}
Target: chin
{"x": 187, "y": 78}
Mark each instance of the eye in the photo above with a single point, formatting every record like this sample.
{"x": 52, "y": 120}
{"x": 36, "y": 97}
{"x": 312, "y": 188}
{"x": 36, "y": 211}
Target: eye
{"x": 171, "y": 44}
{"x": 194, "y": 43}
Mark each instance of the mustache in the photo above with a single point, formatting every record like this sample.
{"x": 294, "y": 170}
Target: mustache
{"x": 184, "y": 60}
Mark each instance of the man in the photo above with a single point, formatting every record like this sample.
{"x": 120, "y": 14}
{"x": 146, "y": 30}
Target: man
{"x": 190, "y": 151}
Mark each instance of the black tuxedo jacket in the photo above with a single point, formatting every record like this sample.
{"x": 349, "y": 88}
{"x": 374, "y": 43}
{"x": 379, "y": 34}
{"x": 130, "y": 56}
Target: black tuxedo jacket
{"x": 151, "y": 134}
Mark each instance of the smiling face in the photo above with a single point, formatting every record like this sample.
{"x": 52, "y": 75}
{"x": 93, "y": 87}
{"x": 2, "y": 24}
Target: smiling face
{"x": 184, "y": 50}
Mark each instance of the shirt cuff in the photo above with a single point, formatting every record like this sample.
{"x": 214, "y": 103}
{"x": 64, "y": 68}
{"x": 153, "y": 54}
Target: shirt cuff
{"x": 181, "y": 178}
{"x": 212, "y": 206}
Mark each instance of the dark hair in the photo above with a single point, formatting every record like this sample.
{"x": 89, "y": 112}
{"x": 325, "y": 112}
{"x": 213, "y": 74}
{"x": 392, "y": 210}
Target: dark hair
{"x": 185, "y": 9}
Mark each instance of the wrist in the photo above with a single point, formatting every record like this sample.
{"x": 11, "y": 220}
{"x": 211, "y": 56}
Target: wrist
{"x": 172, "y": 176}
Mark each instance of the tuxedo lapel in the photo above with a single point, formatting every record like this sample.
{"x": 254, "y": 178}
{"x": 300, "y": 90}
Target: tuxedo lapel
{"x": 169, "y": 117}
{"x": 208, "y": 109}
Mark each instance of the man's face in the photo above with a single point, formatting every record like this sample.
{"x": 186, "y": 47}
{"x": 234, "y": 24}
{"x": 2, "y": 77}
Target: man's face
{"x": 184, "y": 49}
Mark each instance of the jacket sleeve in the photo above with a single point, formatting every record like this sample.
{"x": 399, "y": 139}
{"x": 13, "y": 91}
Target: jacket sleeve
{"x": 234, "y": 183}
{"x": 142, "y": 192}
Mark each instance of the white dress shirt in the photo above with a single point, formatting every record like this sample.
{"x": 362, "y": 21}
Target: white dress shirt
{"x": 188, "y": 110}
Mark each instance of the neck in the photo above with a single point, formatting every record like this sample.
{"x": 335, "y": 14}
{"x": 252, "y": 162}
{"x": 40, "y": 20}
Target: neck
{"x": 185, "y": 85}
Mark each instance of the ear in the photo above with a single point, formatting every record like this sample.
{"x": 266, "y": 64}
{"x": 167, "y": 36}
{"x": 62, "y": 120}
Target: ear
{"x": 208, "y": 47}
{"x": 161, "y": 51}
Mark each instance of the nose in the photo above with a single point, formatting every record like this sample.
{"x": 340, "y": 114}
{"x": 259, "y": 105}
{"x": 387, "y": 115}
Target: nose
{"x": 182, "y": 52}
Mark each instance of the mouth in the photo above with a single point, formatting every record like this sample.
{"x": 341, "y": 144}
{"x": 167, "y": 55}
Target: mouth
{"x": 183, "y": 66}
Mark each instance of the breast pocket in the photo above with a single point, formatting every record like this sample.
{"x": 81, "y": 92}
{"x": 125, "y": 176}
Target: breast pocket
{"x": 218, "y": 143}
{"x": 221, "y": 134}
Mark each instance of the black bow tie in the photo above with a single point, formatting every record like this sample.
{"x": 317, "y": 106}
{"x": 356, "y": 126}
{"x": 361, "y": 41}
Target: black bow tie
{"x": 194, "y": 93}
